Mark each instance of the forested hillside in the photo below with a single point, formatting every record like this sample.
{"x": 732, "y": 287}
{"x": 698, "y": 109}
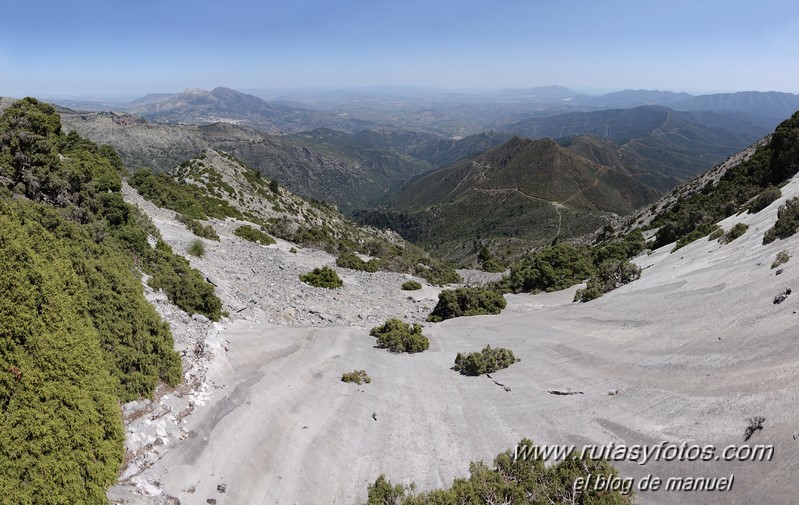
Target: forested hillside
{"x": 77, "y": 336}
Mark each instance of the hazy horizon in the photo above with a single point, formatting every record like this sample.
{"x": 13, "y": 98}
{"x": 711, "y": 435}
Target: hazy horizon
{"x": 388, "y": 91}
{"x": 154, "y": 46}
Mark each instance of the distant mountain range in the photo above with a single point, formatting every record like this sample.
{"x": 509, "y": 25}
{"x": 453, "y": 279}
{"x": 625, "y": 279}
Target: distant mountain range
{"x": 444, "y": 113}
{"x": 350, "y": 170}
{"x": 445, "y": 191}
{"x": 652, "y": 139}
{"x": 198, "y": 107}
{"x": 322, "y": 164}
{"x": 657, "y": 146}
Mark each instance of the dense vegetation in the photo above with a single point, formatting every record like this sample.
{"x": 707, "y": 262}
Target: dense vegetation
{"x": 703, "y": 230}
{"x": 604, "y": 266}
{"x": 60, "y": 430}
{"x": 351, "y": 260}
{"x": 76, "y": 333}
{"x": 411, "y": 259}
{"x": 356, "y": 376}
{"x": 489, "y": 360}
{"x": 764, "y": 199}
{"x": 324, "y": 277}
{"x": 693, "y": 216}
{"x": 612, "y": 273}
{"x": 184, "y": 198}
{"x": 512, "y": 480}
{"x": 488, "y": 263}
{"x": 466, "y": 302}
{"x": 183, "y": 285}
{"x": 787, "y": 222}
{"x": 398, "y": 336}
{"x": 247, "y": 232}
{"x": 551, "y": 268}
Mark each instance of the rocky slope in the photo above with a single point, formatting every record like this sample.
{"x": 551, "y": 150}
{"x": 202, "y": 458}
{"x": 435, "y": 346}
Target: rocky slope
{"x": 258, "y": 285}
{"x": 685, "y": 354}
{"x": 314, "y": 165}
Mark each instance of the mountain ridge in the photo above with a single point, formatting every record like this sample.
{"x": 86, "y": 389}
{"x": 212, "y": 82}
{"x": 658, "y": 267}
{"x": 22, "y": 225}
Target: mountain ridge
{"x": 523, "y": 193}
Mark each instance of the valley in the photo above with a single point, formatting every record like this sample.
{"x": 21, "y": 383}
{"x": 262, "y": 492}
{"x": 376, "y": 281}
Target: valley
{"x": 399, "y": 253}
{"x": 636, "y": 313}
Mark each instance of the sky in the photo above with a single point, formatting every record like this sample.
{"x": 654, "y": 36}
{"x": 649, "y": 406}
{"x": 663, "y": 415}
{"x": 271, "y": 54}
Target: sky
{"x": 117, "y": 47}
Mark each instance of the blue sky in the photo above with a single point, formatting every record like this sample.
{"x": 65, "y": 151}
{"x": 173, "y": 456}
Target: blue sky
{"x": 116, "y": 47}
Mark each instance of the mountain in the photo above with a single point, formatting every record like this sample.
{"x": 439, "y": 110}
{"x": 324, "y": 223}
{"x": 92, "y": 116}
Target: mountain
{"x": 194, "y": 103}
{"x": 540, "y": 93}
{"x": 521, "y": 193}
{"x": 652, "y": 138}
{"x": 748, "y": 182}
{"x": 324, "y": 164}
{"x": 461, "y": 114}
{"x": 771, "y": 105}
{"x": 197, "y": 107}
{"x": 634, "y": 98}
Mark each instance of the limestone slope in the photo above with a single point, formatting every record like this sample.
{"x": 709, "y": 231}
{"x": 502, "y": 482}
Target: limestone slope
{"x": 693, "y": 348}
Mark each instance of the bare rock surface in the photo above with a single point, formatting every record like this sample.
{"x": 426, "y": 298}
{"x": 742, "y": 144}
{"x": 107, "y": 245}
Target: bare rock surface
{"x": 691, "y": 350}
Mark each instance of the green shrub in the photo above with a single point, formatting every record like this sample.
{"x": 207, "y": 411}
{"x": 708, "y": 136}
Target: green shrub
{"x": 466, "y": 302}
{"x": 717, "y": 234}
{"x": 293, "y": 250}
{"x": 78, "y": 336}
{"x": 734, "y": 232}
{"x": 196, "y": 248}
{"x": 184, "y": 198}
{"x": 489, "y": 360}
{"x": 438, "y": 274}
{"x": 493, "y": 266}
{"x": 764, "y": 199}
{"x": 518, "y": 476}
{"x": 197, "y": 228}
{"x": 787, "y": 221}
{"x": 247, "y": 232}
{"x": 353, "y": 261}
{"x": 356, "y": 376}
{"x": 699, "y": 232}
{"x": 105, "y": 239}
{"x": 611, "y": 274}
{"x": 411, "y": 285}
{"x": 324, "y": 277}
{"x": 782, "y": 257}
{"x": 411, "y": 259}
{"x": 551, "y": 268}
{"x": 397, "y": 336}
{"x": 61, "y": 435}
{"x": 186, "y": 287}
